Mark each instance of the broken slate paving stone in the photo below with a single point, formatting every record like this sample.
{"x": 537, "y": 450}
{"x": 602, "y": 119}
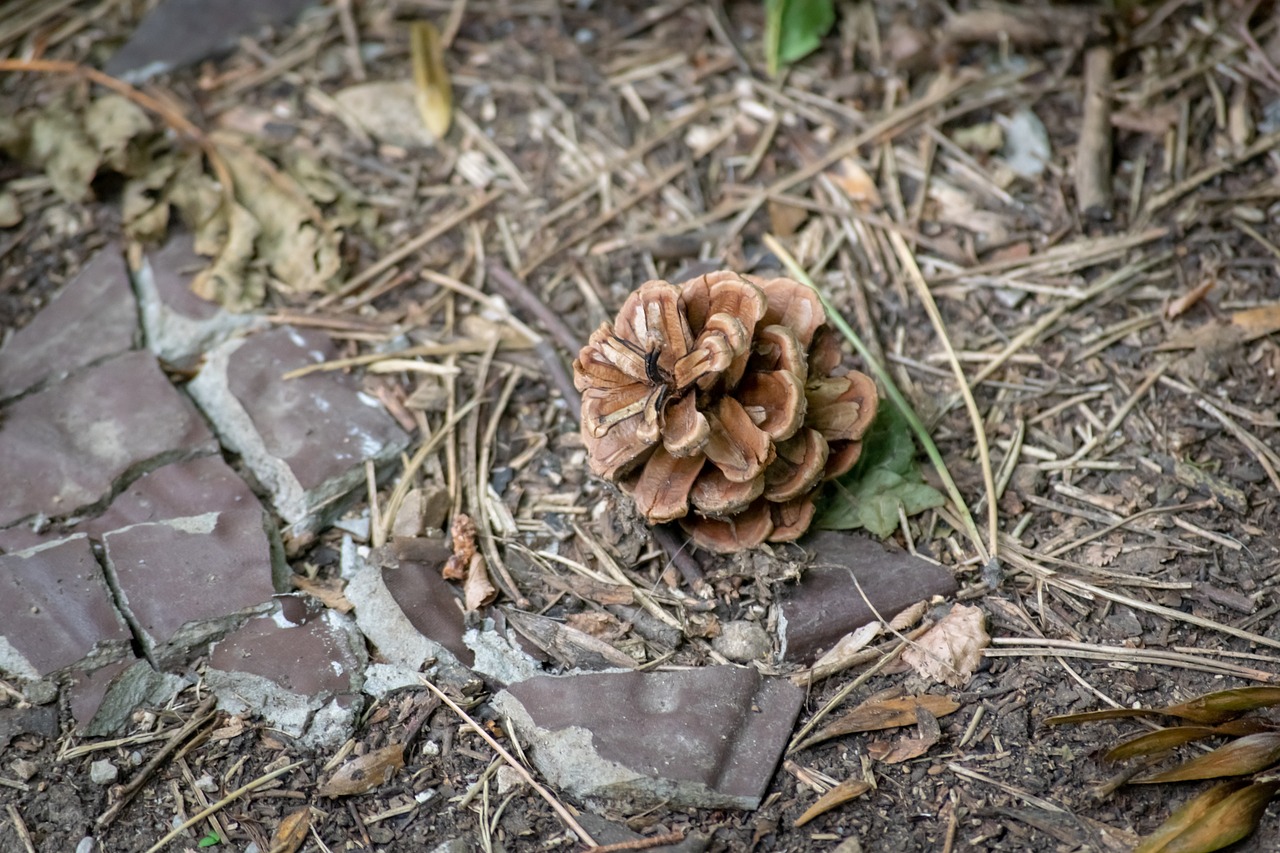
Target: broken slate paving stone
{"x": 828, "y": 601}
{"x": 187, "y": 488}
{"x": 702, "y": 738}
{"x": 180, "y": 32}
{"x": 57, "y": 611}
{"x": 103, "y": 701}
{"x": 381, "y": 619}
{"x": 54, "y": 343}
{"x": 306, "y": 439}
{"x": 179, "y": 325}
{"x": 184, "y": 581}
{"x": 301, "y": 667}
{"x": 64, "y": 449}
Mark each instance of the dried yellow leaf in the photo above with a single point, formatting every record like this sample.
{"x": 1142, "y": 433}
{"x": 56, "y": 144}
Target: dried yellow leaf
{"x": 434, "y": 93}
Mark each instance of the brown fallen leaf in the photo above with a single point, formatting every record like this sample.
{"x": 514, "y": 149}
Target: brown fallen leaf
{"x": 433, "y": 91}
{"x": 875, "y": 715}
{"x": 363, "y": 774}
{"x": 951, "y": 650}
{"x": 839, "y": 795}
{"x": 1217, "y": 818}
{"x": 1249, "y": 754}
{"x": 327, "y": 592}
{"x": 477, "y": 589}
{"x": 291, "y": 832}
{"x": 1223, "y": 705}
{"x": 854, "y": 181}
{"x": 900, "y": 750}
{"x": 1163, "y": 740}
{"x": 1188, "y": 300}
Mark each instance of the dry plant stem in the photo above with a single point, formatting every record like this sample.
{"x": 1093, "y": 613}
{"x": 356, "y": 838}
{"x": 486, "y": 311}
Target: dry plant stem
{"x": 1093, "y": 152}
{"x": 890, "y": 387}
{"x": 835, "y": 700}
{"x": 1078, "y": 587}
{"x": 555, "y": 804}
{"x": 1261, "y": 145}
{"x": 223, "y": 803}
{"x": 202, "y": 715}
{"x": 1044, "y": 647}
{"x": 908, "y": 262}
{"x": 20, "y": 827}
{"x": 639, "y": 843}
{"x": 406, "y": 249}
{"x": 526, "y": 298}
{"x": 678, "y": 552}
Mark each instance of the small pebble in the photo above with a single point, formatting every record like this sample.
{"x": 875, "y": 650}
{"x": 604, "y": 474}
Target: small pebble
{"x": 23, "y": 769}
{"x": 742, "y": 641}
{"x": 88, "y": 844}
{"x": 103, "y": 772}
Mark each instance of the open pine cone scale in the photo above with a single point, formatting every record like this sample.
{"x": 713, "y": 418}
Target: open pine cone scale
{"x": 722, "y": 404}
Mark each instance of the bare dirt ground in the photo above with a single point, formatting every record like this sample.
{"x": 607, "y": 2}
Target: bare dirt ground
{"x": 1124, "y": 381}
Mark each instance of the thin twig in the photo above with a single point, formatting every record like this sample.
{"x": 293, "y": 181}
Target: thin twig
{"x": 201, "y": 715}
{"x": 555, "y": 804}
{"x": 223, "y": 803}
{"x": 890, "y": 387}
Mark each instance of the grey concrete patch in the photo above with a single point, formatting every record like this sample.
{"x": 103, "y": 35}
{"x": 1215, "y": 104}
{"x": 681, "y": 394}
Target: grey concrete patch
{"x": 54, "y": 343}
{"x": 828, "y": 601}
{"x": 498, "y": 659}
{"x": 305, "y": 439}
{"x": 704, "y": 738}
{"x": 742, "y": 641}
{"x": 179, "y": 325}
{"x": 290, "y": 665}
{"x": 183, "y": 582}
{"x": 66, "y": 448}
{"x": 103, "y": 701}
{"x": 57, "y": 611}
{"x": 385, "y": 624}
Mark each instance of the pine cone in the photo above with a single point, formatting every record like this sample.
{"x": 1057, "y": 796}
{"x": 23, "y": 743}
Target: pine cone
{"x": 721, "y": 403}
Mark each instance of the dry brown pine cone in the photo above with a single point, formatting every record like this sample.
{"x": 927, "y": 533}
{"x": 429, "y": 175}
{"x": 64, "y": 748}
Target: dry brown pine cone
{"x": 720, "y": 403}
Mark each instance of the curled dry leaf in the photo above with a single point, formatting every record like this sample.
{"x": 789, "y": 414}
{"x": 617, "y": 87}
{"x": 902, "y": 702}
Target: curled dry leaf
{"x": 363, "y": 774}
{"x": 722, "y": 404}
{"x": 839, "y": 795}
{"x": 1217, "y": 818}
{"x": 1249, "y": 754}
{"x": 327, "y": 591}
{"x": 291, "y": 832}
{"x": 951, "y": 650}
{"x": 876, "y": 715}
{"x": 477, "y": 589}
{"x": 434, "y": 93}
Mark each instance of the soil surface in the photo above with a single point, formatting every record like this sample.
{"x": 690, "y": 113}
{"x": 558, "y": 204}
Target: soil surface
{"x": 1114, "y": 354}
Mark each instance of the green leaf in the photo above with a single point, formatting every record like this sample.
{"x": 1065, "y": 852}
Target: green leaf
{"x": 886, "y": 478}
{"x": 794, "y": 28}
{"x": 210, "y": 840}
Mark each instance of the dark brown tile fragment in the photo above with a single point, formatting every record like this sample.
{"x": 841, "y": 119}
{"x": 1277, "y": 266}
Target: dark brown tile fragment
{"x": 708, "y": 737}
{"x": 185, "y": 581}
{"x": 57, "y": 610}
{"x": 55, "y": 342}
{"x": 826, "y": 604}
{"x": 65, "y": 448}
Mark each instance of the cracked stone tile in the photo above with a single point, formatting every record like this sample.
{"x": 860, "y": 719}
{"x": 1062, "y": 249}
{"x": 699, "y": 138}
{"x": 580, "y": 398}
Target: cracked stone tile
{"x": 179, "y": 325}
{"x": 400, "y": 644}
{"x": 190, "y": 487}
{"x": 57, "y": 611}
{"x": 103, "y": 701}
{"x": 702, "y": 738}
{"x": 185, "y": 581}
{"x": 180, "y": 32}
{"x": 828, "y": 602}
{"x": 301, "y": 667}
{"x": 54, "y": 343}
{"x": 64, "y": 449}
{"x": 305, "y": 439}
